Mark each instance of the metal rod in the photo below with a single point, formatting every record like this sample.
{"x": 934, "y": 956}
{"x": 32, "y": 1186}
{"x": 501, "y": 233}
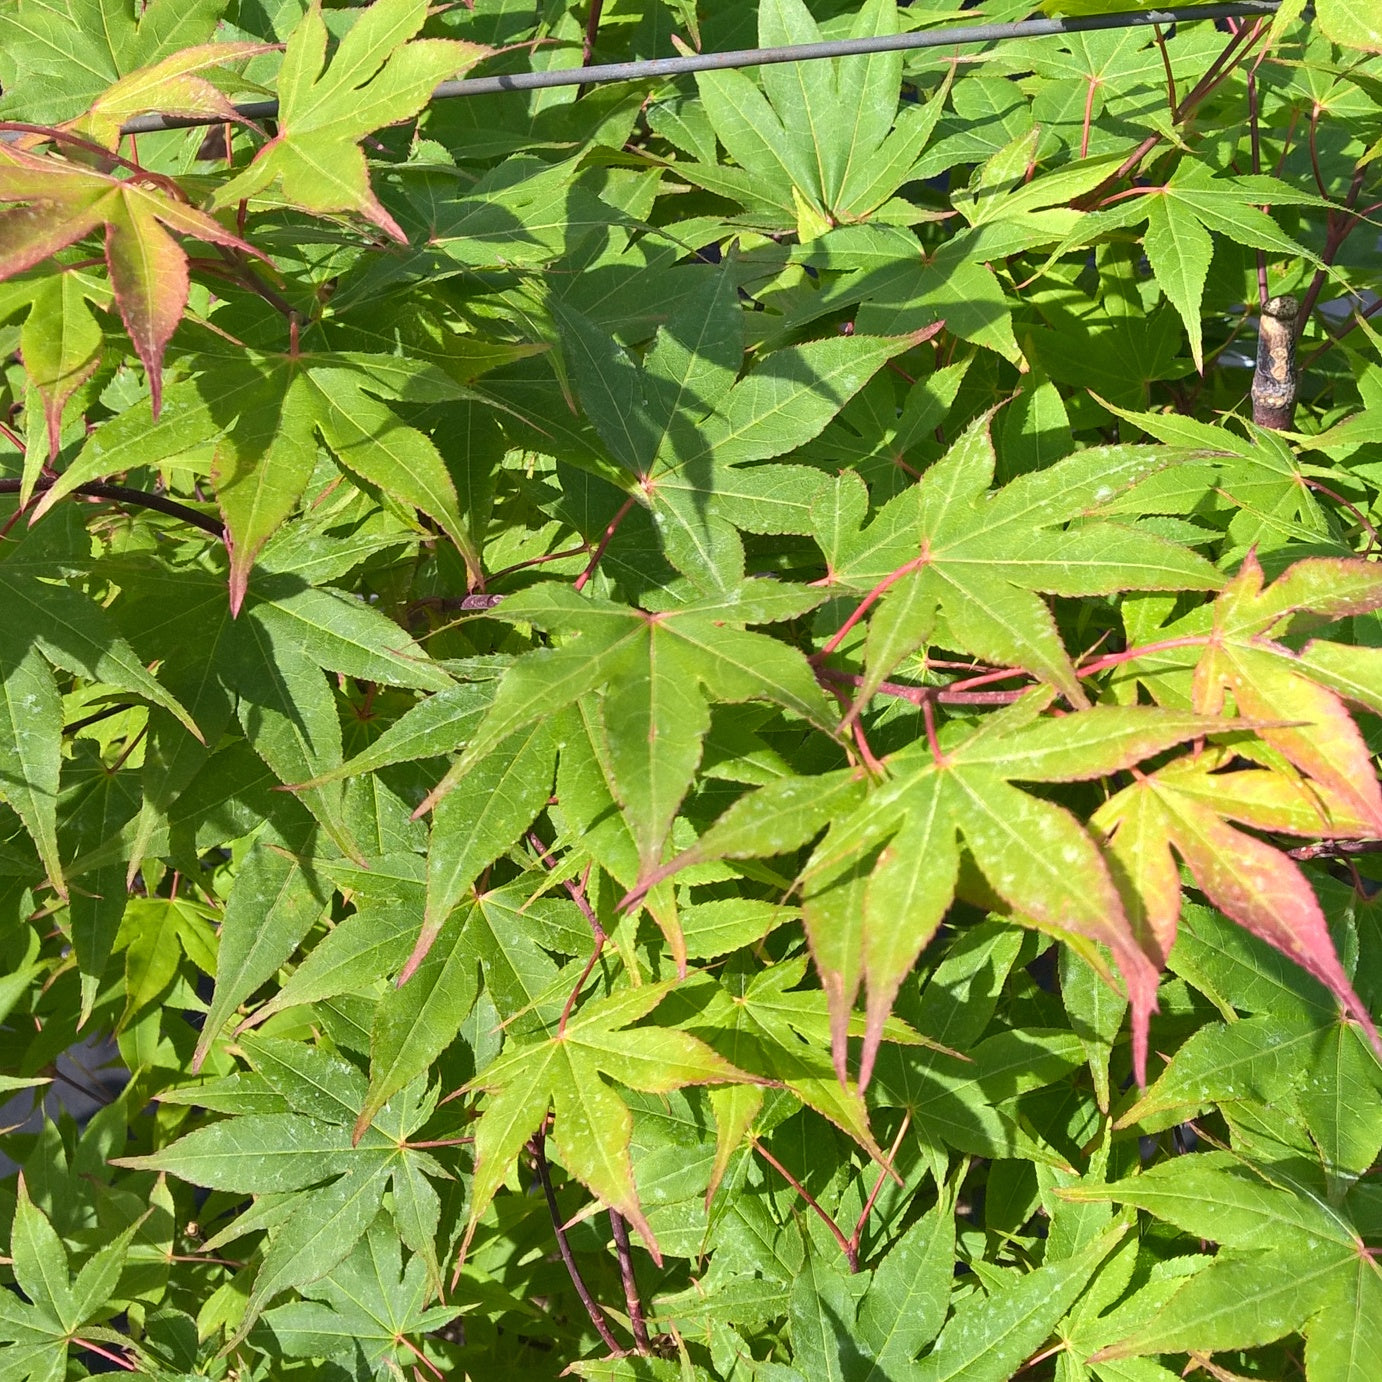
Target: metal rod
{"x": 760, "y": 57}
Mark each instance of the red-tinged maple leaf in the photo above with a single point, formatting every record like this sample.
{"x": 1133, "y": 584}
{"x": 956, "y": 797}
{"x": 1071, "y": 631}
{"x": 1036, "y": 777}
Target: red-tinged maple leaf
{"x": 379, "y": 75}
{"x": 1270, "y": 683}
{"x": 1187, "y": 807}
{"x": 59, "y": 203}
{"x": 172, "y": 87}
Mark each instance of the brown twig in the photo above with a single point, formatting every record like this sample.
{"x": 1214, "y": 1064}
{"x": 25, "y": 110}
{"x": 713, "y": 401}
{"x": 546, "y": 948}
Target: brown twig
{"x": 122, "y": 494}
{"x": 605, "y": 539}
{"x": 538, "y": 1147}
{"x": 1374, "y": 540}
{"x": 864, "y": 1213}
{"x": 850, "y": 1251}
{"x": 1218, "y": 70}
{"x": 1335, "y": 849}
{"x": 580, "y": 895}
{"x": 624, "y": 1252}
{"x": 1276, "y": 379}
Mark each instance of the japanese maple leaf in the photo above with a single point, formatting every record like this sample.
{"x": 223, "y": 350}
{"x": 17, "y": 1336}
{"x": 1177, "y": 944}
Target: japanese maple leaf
{"x": 659, "y": 670}
{"x": 371, "y": 1301}
{"x": 56, "y": 59}
{"x": 1234, "y": 648}
{"x": 306, "y": 1145}
{"x": 1185, "y": 216}
{"x": 877, "y": 886}
{"x": 376, "y": 78}
{"x": 1187, "y": 807}
{"x": 59, "y": 203}
{"x": 266, "y": 411}
{"x": 1288, "y": 1261}
{"x": 60, "y": 1312}
{"x": 760, "y": 1021}
{"x": 172, "y": 86}
{"x": 592, "y": 1126}
{"x": 693, "y": 430}
{"x": 951, "y": 562}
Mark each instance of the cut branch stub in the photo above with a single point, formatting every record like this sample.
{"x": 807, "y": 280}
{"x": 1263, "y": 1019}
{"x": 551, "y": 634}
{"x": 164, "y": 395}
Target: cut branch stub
{"x": 1275, "y": 379}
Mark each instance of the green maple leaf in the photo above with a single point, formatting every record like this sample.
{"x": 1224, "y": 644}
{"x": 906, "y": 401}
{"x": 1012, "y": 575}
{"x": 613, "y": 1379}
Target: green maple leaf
{"x": 376, "y": 78}
{"x": 1259, "y": 475}
{"x": 688, "y": 431}
{"x": 267, "y": 670}
{"x": 1288, "y": 1261}
{"x": 61, "y": 344}
{"x": 58, "y": 57}
{"x": 370, "y": 1301}
{"x": 308, "y": 1148}
{"x": 265, "y": 412}
{"x": 762, "y": 1023}
{"x": 821, "y": 143}
{"x": 958, "y": 565}
{"x": 62, "y": 202}
{"x": 659, "y": 669}
{"x": 592, "y": 1126}
{"x": 60, "y": 1309}
{"x": 1185, "y": 215}
{"x": 892, "y": 852}
{"x": 50, "y": 625}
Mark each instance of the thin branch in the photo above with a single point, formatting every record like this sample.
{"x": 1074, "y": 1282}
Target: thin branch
{"x": 624, "y": 1251}
{"x": 581, "y": 897}
{"x": 96, "y": 718}
{"x": 1374, "y": 540}
{"x": 1353, "y": 321}
{"x": 862, "y": 607}
{"x": 1255, "y": 138}
{"x": 1166, "y": 63}
{"x": 605, "y": 539}
{"x": 878, "y": 1184}
{"x": 921, "y": 695}
{"x": 850, "y": 1251}
{"x": 1335, "y": 849}
{"x": 104, "y": 1353}
{"x": 538, "y": 1147}
{"x": 123, "y": 494}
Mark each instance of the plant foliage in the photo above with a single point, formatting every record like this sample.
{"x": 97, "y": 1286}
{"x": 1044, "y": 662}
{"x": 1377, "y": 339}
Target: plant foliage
{"x": 681, "y": 729}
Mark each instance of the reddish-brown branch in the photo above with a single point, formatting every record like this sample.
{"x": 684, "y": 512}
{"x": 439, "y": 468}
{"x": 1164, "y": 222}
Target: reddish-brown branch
{"x": 580, "y": 983}
{"x": 864, "y": 1213}
{"x": 581, "y": 897}
{"x": 605, "y": 539}
{"x": 920, "y": 695}
{"x": 122, "y": 494}
{"x": 1108, "y": 660}
{"x": 90, "y": 146}
{"x": 1219, "y": 69}
{"x": 1255, "y": 140}
{"x": 862, "y": 607}
{"x": 850, "y": 1251}
{"x": 538, "y": 561}
{"x": 538, "y": 1147}
{"x": 1364, "y": 522}
{"x": 105, "y": 1353}
{"x": 624, "y": 1251}
{"x": 1166, "y": 63}
{"x": 1335, "y": 849}
{"x": 419, "y": 1354}
{"x": 1339, "y": 226}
